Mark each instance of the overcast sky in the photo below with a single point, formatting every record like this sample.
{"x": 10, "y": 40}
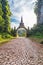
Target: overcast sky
{"x": 24, "y": 8}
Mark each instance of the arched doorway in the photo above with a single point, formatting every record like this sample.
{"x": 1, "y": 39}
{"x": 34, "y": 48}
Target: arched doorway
{"x": 21, "y": 32}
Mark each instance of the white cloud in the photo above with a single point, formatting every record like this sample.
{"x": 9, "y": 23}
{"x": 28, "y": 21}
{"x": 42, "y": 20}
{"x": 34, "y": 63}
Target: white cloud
{"x": 23, "y": 8}
{"x": 13, "y": 25}
{"x": 29, "y": 18}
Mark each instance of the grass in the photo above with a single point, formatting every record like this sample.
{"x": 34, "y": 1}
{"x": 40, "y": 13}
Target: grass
{"x": 5, "y": 38}
{"x": 4, "y": 41}
{"x": 38, "y": 39}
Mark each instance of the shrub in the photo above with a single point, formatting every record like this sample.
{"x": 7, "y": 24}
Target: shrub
{"x": 6, "y": 35}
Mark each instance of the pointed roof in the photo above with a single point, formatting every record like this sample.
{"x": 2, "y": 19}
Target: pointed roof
{"x": 21, "y": 24}
{"x": 21, "y": 19}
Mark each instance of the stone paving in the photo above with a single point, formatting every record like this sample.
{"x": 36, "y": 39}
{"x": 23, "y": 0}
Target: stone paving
{"x": 21, "y": 51}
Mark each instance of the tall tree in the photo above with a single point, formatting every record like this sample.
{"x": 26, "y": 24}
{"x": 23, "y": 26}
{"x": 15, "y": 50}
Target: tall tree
{"x": 6, "y": 15}
{"x": 14, "y": 32}
{"x": 1, "y": 18}
{"x": 27, "y": 32}
{"x": 37, "y": 9}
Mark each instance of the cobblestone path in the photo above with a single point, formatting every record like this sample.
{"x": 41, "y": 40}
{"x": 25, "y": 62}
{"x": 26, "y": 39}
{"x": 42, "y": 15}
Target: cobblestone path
{"x": 21, "y": 51}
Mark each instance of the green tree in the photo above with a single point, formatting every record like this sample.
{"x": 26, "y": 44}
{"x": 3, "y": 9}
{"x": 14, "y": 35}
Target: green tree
{"x": 37, "y": 9}
{"x": 1, "y": 24}
{"x": 6, "y": 15}
{"x": 27, "y": 32}
{"x": 37, "y": 30}
{"x": 1, "y": 18}
{"x": 1, "y": 12}
{"x": 14, "y": 32}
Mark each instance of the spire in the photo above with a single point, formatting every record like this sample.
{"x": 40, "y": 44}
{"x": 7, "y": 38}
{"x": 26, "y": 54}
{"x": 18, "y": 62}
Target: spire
{"x": 21, "y": 19}
{"x": 21, "y": 24}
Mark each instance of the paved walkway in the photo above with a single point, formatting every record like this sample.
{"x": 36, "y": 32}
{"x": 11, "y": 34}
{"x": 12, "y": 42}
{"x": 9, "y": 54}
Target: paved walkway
{"x": 21, "y": 51}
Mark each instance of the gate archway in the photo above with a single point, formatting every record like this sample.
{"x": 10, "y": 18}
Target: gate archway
{"x": 21, "y": 30}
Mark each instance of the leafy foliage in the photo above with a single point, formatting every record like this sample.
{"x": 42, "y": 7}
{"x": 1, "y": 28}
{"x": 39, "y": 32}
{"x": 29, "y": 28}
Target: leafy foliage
{"x": 37, "y": 30}
{"x": 38, "y": 7}
{"x": 1, "y": 24}
{"x": 36, "y": 33}
{"x": 1, "y": 12}
{"x": 37, "y": 10}
{"x": 4, "y": 16}
{"x": 14, "y": 32}
{"x": 27, "y": 35}
{"x": 21, "y": 32}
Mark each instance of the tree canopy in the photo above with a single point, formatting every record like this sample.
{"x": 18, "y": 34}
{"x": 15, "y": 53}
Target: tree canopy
{"x": 4, "y": 16}
{"x": 38, "y": 7}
